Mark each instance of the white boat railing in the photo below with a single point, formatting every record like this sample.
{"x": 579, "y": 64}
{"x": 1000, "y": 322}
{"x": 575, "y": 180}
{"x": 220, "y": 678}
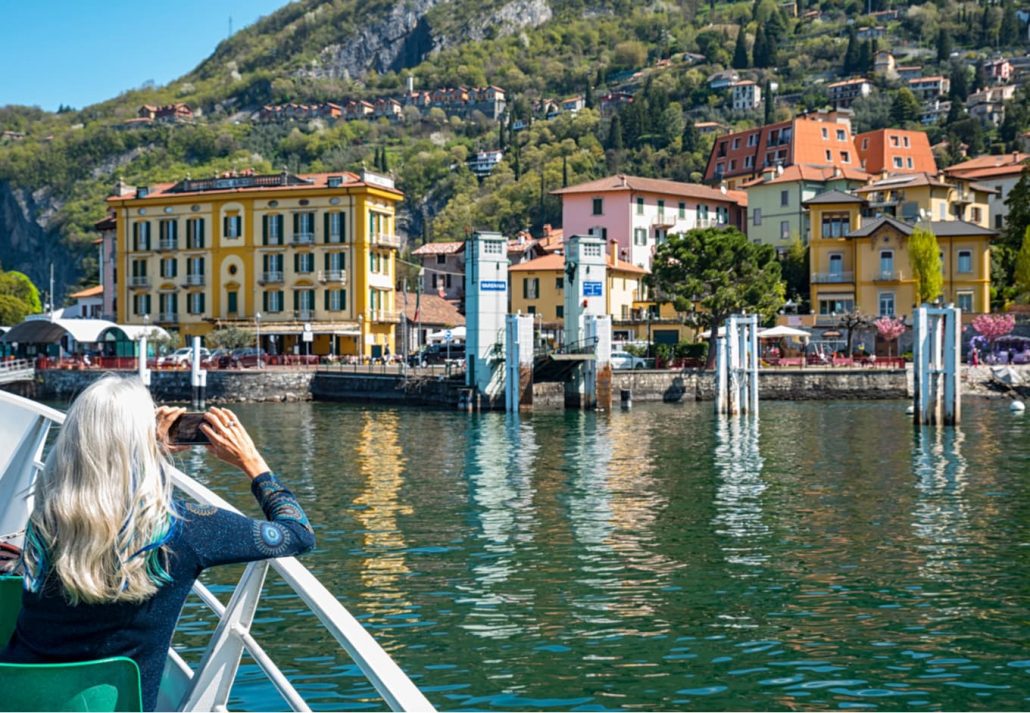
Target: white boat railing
{"x": 26, "y": 426}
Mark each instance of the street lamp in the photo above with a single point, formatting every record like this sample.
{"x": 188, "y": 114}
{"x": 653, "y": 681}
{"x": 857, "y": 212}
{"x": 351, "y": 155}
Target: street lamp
{"x": 257, "y": 322}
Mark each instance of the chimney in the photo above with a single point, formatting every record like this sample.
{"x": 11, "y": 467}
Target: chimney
{"x": 613, "y": 253}
{"x": 622, "y": 180}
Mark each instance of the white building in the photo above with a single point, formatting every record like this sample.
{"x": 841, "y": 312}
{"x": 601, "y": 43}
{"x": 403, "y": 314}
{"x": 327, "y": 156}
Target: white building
{"x": 747, "y": 96}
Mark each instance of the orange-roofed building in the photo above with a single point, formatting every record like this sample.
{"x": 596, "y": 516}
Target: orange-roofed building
{"x": 1000, "y": 172}
{"x": 89, "y": 303}
{"x": 818, "y": 139}
{"x": 895, "y": 151}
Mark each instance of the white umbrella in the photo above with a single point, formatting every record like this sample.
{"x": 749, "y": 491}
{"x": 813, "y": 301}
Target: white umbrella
{"x": 708, "y": 333}
{"x": 784, "y": 331}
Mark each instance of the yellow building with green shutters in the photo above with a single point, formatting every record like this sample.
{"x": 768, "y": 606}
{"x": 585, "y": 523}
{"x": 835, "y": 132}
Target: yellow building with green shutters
{"x": 284, "y": 255}
{"x": 861, "y": 263}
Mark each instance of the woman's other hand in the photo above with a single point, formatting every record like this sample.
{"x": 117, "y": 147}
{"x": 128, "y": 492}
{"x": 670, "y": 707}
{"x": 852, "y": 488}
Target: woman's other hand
{"x": 166, "y": 416}
{"x": 231, "y": 443}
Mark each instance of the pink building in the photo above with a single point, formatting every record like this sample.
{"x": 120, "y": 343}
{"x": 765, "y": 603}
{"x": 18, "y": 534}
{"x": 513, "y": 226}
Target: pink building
{"x": 638, "y": 213}
{"x": 108, "y": 261}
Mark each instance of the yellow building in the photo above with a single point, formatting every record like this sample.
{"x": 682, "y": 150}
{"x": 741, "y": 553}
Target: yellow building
{"x": 861, "y": 263}
{"x": 923, "y": 196}
{"x": 274, "y": 253}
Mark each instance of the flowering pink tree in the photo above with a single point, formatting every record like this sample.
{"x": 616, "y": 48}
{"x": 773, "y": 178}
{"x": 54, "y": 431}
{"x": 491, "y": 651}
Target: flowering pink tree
{"x": 993, "y": 326}
{"x": 889, "y": 329}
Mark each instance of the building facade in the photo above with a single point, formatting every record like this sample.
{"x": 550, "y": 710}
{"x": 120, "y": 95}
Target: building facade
{"x": 284, "y": 255}
{"x": 921, "y": 196}
{"x": 842, "y": 93}
{"x": 638, "y": 213}
{"x": 895, "y": 151}
{"x": 747, "y": 96}
{"x": 1000, "y": 172}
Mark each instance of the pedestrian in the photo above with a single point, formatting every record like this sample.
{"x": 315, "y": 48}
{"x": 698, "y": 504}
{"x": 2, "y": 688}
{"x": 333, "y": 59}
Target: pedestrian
{"x": 975, "y": 357}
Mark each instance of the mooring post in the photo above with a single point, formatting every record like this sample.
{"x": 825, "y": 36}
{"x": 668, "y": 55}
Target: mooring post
{"x": 936, "y": 348}
{"x": 720, "y": 373}
{"x": 141, "y": 363}
{"x": 198, "y": 376}
{"x": 753, "y": 364}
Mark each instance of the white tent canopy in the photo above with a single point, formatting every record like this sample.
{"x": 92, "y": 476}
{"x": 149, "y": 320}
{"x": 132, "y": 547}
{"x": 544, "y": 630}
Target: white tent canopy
{"x": 708, "y": 333}
{"x": 457, "y": 335}
{"x": 40, "y": 330}
{"x": 783, "y": 331}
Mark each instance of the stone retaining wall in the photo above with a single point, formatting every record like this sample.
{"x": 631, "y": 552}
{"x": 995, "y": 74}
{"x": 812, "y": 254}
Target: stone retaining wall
{"x": 222, "y": 386}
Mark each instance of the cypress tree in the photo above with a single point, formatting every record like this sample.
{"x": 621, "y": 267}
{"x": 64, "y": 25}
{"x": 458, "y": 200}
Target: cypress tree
{"x": 588, "y": 96}
{"x": 767, "y": 93}
{"x": 384, "y": 165}
{"x": 689, "y": 141}
{"x": 1009, "y": 34}
{"x": 760, "y": 50}
{"x": 615, "y": 133}
{"x": 865, "y": 57}
{"x": 740, "y": 50}
{"x": 943, "y": 45}
{"x": 851, "y": 53}
{"x": 959, "y": 83}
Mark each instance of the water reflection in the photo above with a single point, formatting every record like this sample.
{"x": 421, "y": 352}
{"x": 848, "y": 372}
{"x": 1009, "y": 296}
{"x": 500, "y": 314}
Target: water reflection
{"x": 940, "y": 515}
{"x": 500, "y": 462}
{"x": 738, "y": 495}
{"x": 380, "y": 463}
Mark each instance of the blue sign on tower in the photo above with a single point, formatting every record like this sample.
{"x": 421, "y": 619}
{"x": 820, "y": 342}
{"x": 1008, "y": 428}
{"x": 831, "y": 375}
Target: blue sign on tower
{"x": 492, "y": 286}
{"x": 592, "y": 289}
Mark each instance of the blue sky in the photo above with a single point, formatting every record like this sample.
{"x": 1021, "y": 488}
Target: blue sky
{"x": 79, "y": 52}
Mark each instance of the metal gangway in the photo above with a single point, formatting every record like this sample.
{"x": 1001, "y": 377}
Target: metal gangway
{"x": 26, "y": 425}
{"x": 16, "y": 370}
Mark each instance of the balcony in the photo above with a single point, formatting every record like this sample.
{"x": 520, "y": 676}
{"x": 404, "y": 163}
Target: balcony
{"x": 832, "y": 277}
{"x": 303, "y": 238}
{"x": 386, "y": 240}
{"x": 268, "y": 277}
{"x": 663, "y": 220}
{"x": 304, "y": 315}
{"x": 335, "y": 276}
{"x": 168, "y": 244}
{"x": 194, "y": 280}
{"x": 168, "y": 317}
{"x": 139, "y": 281}
{"x": 882, "y": 199}
{"x": 887, "y": 276}
{"x": 382, "y": 315}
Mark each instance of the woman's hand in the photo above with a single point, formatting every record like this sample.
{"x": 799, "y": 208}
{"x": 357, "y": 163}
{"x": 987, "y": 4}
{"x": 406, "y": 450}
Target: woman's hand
{"x": 231, "y": 443}
{"x": 166, "y": 416}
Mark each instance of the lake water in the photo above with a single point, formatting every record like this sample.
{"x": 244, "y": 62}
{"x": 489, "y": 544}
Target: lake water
{"x": 655, "y": 560}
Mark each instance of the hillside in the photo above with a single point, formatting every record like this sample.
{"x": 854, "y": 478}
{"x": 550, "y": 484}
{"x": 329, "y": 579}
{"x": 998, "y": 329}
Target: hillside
{"x": 55, "y": 168}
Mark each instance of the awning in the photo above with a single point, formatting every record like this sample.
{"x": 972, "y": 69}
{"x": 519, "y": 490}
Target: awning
{"x": 41, "y": 330}
{"x": 132, "y": 332}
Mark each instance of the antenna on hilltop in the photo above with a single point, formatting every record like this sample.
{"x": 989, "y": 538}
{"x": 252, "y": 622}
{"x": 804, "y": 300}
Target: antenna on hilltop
{"x": 230, "y": 26}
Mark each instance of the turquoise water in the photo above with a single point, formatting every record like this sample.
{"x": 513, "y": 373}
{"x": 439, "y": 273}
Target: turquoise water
{"x": 655, "y": 560}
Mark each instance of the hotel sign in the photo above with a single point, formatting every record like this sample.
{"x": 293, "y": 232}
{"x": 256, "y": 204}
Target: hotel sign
{"x": 492, "y": 286}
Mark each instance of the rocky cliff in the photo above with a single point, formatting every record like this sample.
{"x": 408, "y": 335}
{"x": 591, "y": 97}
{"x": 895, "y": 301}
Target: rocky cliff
{"x": 30, "y": 241}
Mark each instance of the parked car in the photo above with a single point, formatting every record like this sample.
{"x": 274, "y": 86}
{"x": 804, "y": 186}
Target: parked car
{"x": 214, "y": 359}
{"x": 182, "y": 357}
{"x": 248, "y": 357}
{"x": 625, "y": 360}
{"x": 439, "y": 354}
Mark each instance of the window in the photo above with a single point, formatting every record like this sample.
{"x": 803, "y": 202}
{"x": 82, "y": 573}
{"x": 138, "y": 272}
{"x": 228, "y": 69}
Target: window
{"x": 976, "y": 214}
{"x": 139, "y": 274}
{"x": 272, "y": 300}
{"x": 493, "y": 247}
{"x": 908, "y": 162}
{"x": 845, "y": 157}
{"x": 531, "y": 309}
{"x": 141, "y": 236}
{"x": 757, "y": 216}
{"x": 683, "y": 211}
{"x": 232, "y": 226}
{"x": 999, "y": 222}
{"x": 559, "y": 283}
{"x": 334, "y": 227}
{"x": 272, "y": 230}
{"x": 865, "y": 144}
{"x": 702, "y": 212}
{"x": 141, "y": 304}
{"x": 640, "y": 236}
{"x": 335, "y": 300}
{"x": 964, "y": 301}
{"x": 784, "y": 230}
{"x": 752, "y": 140}
{"x": 272, "y": 265}
{"x": 736, "y": 143}
{"x": 530, "y": 288}
{"x": 836, "y": 225}
{"x": 826, "y": 133}
{"x": 829, "y": 155}
{"x": 592, "y": 250}
{"x": 598, "y": 206}
{"x": 749, "y": 161}
{"x": 640, "y": 201}
{"x": 195, "y": 271}
{"x": 232, "y": 301}
{"x": 837, "y": 305}
{"x": 304, "y": 262}
{"x": 897, "y": 162}
{"x": 195, "y": 303}
{"x": 304, "y": 227}
{"x": 441, "y": 259}
{"x": 886, "y": 266}
{"x": 784, "y": 198}
{"x": 304, "y": 301}
{"x": 836, "y": 265}
{"x": 840, "y": 135}
{"x": 894, "y": 141}
{"x": 904, "y": 140}
{"x": 447, "y": 280}
{"x": 886, "y": 304}
{"x": 436, "y": 279}
{"x": 720, "y": 169}
{"x": 168, "y": 233}
{"x": 169, "y": 304}
{"x": 195, "y": 234}
{"x": 661, "y": 208}
{"x": 559, "y": 311}
{"x": 733, "y": 164}
{"x": 965, "y": 261}
{"x": 169, "y": 267}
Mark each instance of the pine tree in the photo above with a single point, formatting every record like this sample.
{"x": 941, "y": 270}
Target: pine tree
{"x": 1009, "y": 33}
{"x": 769, "y": 102}
{"x": 740, "y": 50}
{"x": 865, "y": 57}
{"x": 985, "y": 26}
{"x": 384, "y": 164}
{"x": 588, "y": 96}
{"x": 688, "y": 144}
{"x": 905, "y": 107}
{"x": 851, "y": 53}
{"x": 959, "y": 83}
{"x": 943, "y": 45}
{"x": 615, "y": 133}
{"x": 1022, "y": 269}
{"x": 1018, "y": 220}
{"x": 980, "y": 77}
{"x": 760, "y": 51}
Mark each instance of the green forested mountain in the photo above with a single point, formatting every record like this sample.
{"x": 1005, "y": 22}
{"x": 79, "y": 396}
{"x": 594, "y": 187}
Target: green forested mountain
{"x": 56, "y": 168}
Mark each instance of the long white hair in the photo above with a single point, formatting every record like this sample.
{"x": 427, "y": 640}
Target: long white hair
{"x": 103, "y": 504}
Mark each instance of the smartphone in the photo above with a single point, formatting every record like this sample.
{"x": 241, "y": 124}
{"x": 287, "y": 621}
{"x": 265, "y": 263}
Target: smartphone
{"x": 185, "y": 430}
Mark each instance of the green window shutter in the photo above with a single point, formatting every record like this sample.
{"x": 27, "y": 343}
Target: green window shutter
{"x": 202, "y": 298}
{"x": 343, "y": 299}
{"x": 525, "y": 288}
{"x": 325, "y": 227}
{"x": 175, "y": 267}
{"x": 135, "y": 236}
{"x": 325, "y": 261}
{"x": 325, "y": 295}
{"x": 264, "y": 230}
{"x": 200, "y": 232}
{"x": 264, "y": 301}
{"x": 296, "y": 223}
{"x": 343, "y": 227}
{"x": 296, "y": 262}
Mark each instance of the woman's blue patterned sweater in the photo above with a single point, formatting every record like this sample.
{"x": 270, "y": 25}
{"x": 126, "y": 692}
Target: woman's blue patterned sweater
{"x": 50, "y": 630}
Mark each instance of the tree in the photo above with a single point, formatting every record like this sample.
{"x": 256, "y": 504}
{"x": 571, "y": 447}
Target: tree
{"x": 1008, "y": 33}
{"x": 905, "y": 107}
{"x": 943, "y": 45}
{"x": 18, "y": 297}
{"x": 959, "y": 83}
{"x": 851, "y": 53}
{"x": 711, "y": 273}
{"x": 761, "y": 51}
{"x": 230, "y": 338}
{"x": 688, "y": 144}
{"x": 889, "y": 329}
{"x": 865, "y": 57}
{"x": 994, "y": 326}
{"x": 1022, "y": 270}
{"x": 615, "y": 134}
{"x": 924, "y": 254}
{"x": 740, "y": 60}
{"x": 852, "y": 322}
{"x": 794, "y": 267}
{"x": 1018, "y": 204}
{"x": 770, "y": 104}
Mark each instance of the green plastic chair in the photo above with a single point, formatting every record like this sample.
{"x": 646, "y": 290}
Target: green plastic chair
{"x": 10, "y": 605}
{"x": 105, "y": 685}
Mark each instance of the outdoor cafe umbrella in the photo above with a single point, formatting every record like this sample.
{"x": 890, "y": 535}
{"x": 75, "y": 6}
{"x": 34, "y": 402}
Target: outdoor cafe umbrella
{"x": 783, "y": 331}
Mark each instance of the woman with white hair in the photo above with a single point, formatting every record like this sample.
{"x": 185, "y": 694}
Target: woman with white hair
{"x": 110, "y": 556}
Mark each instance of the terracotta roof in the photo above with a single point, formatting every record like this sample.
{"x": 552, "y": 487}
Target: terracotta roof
{"x": 986, "y": 166}
{"x": 622, "y": 182}
{"x": 809, "y": 172}
{"x": 905, "y": 180}
{"x": 847, "y": 82}
{"x": 317, "y": 180}
{"x": 433, "y": 309}
{"x": 94, "y": 291}
{"x": 444, "y": 248}
{"x": 556, "y": 262}
{"x": 108, "y": 223}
